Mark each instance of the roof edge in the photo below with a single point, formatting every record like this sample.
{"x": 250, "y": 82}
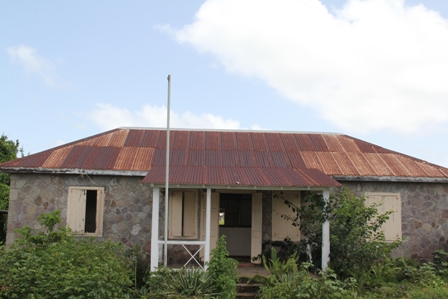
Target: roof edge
{"x": 73, "y": 171}
{"x": 391, "y": 179}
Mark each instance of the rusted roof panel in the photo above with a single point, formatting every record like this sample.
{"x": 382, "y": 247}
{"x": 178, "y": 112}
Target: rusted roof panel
{"x": 362, "y": 165}
{"x": 229, "y": 158}
{"x": 143, "y": 159}
{"x": 57, "y": 157}
{"x": 117, "y": 138}
{"x": 296, "y": 159}
{"x": 195, "y": 158}
{"x": 395, "y": 165}
{"x": 378, "y": 164}
{"x": 150, "y": 138}
{"x": 329, "y": 163}
{"x": 213, "y": 158}
{"x": 159, "y": 157}
{"x": 412, "y": 166}
{"x": 280, "y": 159}
{"x": 275, "y": 142}
{"x": 318, "y": 142}
{"x": 178, "y": 157}
{"x": 213, "y": 140}
{"x": 197, "y": 140}
{"x": 305, "y": 142}
{"x": 333, "y": 144}
{"x": 181, "y": 140}
{"x": 228, "y": 141}
{"x": 312, "y": 160}
{"x": 346, "y": 165}
{"x": 125, "y": 158}
{"x": 259, "y": 142}
{"x": 244, "y": 141}
{"x": 263, "y": 159}
{"x": 348, "y": 144}
{"x": 246, "y": 159}
{"x": 290, "y": 142}
{"x": 134, "y": 138}
{"x": 268, "y": 158}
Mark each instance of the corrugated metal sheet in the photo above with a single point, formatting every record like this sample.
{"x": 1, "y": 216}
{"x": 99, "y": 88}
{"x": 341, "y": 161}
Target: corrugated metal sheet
{"x": 232, "y": 158}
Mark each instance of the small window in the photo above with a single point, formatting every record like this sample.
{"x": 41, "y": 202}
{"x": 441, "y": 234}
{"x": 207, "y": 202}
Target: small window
{"x": 183, "y": 214}
{"x": 85, "y": 210}
{"x": 388, "y": 202}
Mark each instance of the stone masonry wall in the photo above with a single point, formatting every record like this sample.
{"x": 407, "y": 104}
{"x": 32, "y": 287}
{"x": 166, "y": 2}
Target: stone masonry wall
{"x": 127, "y": 205}
{"x": 424, "y": 214}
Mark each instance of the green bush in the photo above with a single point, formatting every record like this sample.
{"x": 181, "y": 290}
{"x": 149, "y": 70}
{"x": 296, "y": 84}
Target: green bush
{"x": 223, "y": 270}
{"x": 55, "y": 265}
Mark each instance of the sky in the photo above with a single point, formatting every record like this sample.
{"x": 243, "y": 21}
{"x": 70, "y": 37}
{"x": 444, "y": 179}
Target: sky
{"x": 376, "y": 70}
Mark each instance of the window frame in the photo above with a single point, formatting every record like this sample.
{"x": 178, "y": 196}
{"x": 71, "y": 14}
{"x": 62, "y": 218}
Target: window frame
{"x": 393, "y": 218}
{"x": 178, "y": 218}
{"x": 76, "y": 204}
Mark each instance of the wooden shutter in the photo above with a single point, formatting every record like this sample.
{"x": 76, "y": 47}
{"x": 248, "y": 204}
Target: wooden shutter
{"x": 388, "y": 202}
{"x": 99, "y": 211}
{"x": 190, "y": 215}
{"x": 256, "y": 232}
{"x": 283, "y": 228}
{"x": 175, "y": 215}
{"x": 76, "y": 209}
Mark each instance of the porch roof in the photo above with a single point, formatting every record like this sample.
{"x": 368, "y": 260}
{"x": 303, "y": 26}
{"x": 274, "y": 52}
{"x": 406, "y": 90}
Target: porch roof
{"x": 241, "y": 176}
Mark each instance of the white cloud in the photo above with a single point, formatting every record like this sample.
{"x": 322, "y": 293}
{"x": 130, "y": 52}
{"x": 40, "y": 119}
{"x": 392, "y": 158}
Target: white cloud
{"x": 373, "y": 65}
{"x": 107, "y": 117}
{"x": 35, "y": 64}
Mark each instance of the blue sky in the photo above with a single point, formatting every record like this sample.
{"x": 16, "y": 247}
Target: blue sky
{"x": 372, "y": 69}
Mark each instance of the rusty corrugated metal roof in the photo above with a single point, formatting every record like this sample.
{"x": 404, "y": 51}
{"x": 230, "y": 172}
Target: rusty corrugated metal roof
{"x": 223, "y": 157}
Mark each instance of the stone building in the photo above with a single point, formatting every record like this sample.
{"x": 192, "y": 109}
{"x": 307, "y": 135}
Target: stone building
{"x": 112, "y": 185}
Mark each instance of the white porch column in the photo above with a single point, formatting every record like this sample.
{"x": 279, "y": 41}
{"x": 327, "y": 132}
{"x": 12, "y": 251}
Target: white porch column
{"x": 207, "y": 227}
{"x": 155, "y": 228}
{"x": 325, "y": 236}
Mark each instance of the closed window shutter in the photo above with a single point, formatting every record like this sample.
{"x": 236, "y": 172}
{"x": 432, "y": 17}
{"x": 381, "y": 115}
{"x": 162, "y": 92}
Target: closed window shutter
{"x": 175, "y": 214}
{"x": 388, "y": 202}
{"x": 76, "y": 210}
{"x": 282, "y": 228}
{"x": 190, "y": 215}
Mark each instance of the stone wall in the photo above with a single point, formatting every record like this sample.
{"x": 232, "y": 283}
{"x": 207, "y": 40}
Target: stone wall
{"x": 127, "y": 205}
{"x": 424, "y": 215}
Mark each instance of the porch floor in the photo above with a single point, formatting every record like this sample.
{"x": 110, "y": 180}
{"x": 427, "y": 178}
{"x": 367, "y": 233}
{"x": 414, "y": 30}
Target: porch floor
{"x": 250, "y": 270}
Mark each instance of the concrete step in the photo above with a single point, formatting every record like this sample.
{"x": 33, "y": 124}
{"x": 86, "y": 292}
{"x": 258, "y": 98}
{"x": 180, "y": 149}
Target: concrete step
{"x": 247, "y": 290}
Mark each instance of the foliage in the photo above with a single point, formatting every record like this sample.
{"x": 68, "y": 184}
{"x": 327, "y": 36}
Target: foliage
{"x": 8, "y": 151}
{"x": 357, "y": 241}
{"x": 53, "y": 264}
{"x": 191, "y": 282}
{"x": 287, "y": 281}
{"x": 223, "y": 270}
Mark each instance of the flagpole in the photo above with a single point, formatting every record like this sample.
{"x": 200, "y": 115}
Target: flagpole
{"x": 167, "y": 174}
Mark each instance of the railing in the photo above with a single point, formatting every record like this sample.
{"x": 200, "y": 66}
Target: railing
{"x": 193, "y": 256}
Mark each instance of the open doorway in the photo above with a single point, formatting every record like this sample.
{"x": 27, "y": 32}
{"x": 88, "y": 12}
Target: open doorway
{"x": 235, "y": 222}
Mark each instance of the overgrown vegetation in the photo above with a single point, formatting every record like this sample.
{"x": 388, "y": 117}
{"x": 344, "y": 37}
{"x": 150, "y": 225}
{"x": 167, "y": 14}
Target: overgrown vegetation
{"x": 8, "y": 152}
{"x": 356, "y": 238}
{"x": 53, "y": 264}
{"x": 218, "y": 281}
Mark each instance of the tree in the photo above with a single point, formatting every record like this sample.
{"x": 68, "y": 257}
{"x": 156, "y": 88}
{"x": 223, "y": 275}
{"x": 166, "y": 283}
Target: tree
{"x": 356, "y": 238}
{"x": 8, "y": 151}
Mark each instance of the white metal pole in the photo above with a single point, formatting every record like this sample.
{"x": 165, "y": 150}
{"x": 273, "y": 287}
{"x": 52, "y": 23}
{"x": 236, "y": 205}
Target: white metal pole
{"x": 207, "y": 227}
{"x": 325, "y": 236}
{"x": 155, "y": 229}
{"x": 167, "y": 177}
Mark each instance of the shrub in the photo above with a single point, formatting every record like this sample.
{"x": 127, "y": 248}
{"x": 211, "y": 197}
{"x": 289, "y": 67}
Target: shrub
{"x": 355, "y": 236}
{"x": 223, "y": 270}
{"x": 55, "y": 265}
